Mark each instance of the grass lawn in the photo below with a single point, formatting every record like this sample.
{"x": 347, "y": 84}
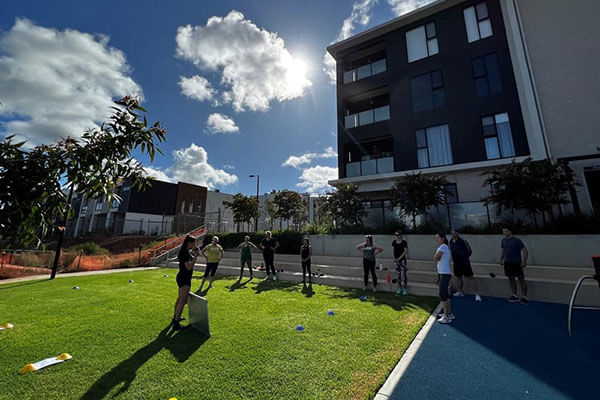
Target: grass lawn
{"x": 117, "y": 333}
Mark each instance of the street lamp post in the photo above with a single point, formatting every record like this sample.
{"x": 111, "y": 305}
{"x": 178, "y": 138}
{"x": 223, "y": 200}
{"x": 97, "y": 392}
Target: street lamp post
{"x": 257, "y": 212}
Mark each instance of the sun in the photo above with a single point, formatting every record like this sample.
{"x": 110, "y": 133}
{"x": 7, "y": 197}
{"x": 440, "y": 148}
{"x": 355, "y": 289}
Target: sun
{"x": 296, "y": 70}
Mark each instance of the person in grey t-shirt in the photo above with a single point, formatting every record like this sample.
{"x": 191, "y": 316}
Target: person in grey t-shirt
{"x": 514, "y": 259}
{"x": 368, "y": 251}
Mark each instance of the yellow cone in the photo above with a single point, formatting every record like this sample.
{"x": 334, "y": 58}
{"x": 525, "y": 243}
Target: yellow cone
{"x": 6, "y": 326}
{"x": 45, "y": 363}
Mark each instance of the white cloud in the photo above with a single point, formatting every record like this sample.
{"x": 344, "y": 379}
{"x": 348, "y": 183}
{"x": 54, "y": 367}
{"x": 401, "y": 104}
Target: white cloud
{"x": 314, "y": 179}
{"x": 219, "y": 123}
{"x": 57, "y": 83}
{"x": 361, "y": 15}
{"x": 196, "y": 87}
{"x": 255, "y": 66}
{"x": 191, "y": 165}
{"x": 229, "y": 167}
{"x": 307, "y": 158}
{"x": 400, "y": 7}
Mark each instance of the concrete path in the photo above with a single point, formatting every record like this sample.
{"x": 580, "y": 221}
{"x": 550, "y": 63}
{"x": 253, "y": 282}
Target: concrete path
{"x": 69, "y": 274}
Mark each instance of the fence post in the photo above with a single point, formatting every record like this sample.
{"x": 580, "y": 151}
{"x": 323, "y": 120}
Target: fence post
{"x": 79, "y": 261}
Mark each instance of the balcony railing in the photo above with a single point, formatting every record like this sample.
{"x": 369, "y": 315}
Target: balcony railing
{"x": 370, "y": 167}
{"x": 365, "y": 71}
{"x": 367, "y": 117}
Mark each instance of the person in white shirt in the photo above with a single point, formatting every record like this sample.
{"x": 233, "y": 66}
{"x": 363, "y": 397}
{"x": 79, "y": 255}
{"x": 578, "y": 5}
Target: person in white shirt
{"x": 442, "y": 258}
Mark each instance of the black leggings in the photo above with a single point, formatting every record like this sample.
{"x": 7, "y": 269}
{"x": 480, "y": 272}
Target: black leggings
{"x": 246, "y": 261}
{"x": 369, "y": 265}
{"x": 305, "y": 269}
{"x": 269, "y": 259}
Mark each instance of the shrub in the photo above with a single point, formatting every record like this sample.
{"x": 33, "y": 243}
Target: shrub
{"x": 289, "y": 241}
{"x": 89, "y": 249}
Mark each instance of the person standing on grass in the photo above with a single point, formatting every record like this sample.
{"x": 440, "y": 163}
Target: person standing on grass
{"x": 305, "y": 256}
{"x": 246, "y": 256}
{"x": 461, "y": 251}
{"x": 268, "y": 245}
{"x": 188, "y": 253}
{"x": 514, "y": 259}
{"x": 442, "y": 258}
{"x": 369, "y": 251}
{"x": 213, "y": 253}
{"x": 400, "y": 252}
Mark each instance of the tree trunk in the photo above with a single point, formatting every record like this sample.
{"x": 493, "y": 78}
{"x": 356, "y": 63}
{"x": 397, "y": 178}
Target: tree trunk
{"x": 414, "y": 218}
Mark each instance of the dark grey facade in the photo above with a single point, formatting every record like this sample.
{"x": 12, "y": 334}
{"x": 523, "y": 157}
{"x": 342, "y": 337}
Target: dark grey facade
{"x": 456, "y": 100}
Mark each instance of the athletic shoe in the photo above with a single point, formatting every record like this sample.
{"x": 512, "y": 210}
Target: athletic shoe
{"x": 477, "y": 297}
{"x": 374, "y": 289}
{"x": 524, "y": 301}
{"x": 399, "y": 291}
{"x": 513, "y": 299}
{"x": 444, "y": 320}
{"x": 274, "y": 277}
{"x": 459, "y": 294}
{"x": 405, "y": 291}
{"x": 450, "y": 316}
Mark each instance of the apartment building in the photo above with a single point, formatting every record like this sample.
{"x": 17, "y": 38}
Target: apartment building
{"x": 458, "y": 87}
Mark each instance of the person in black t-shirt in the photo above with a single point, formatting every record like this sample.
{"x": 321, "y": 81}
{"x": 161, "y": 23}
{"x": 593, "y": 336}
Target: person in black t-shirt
{"x": 268, "y": 246}
{"x": 461, "y": 252}
{"x": 188, "y": 253}
{"x": 305, "y": 255}
{"x": 400, "y": 252}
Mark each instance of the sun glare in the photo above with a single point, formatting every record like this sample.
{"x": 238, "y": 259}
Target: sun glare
{"x": 296, "y": 70}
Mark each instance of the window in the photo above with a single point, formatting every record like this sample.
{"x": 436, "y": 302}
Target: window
{"x": 84, "y": 209}
{"x": 191, "y": 205}
{"x": 365, "y": 70}
{"x": 427, "y": 91}
{"x": 477, "y": 22}
{"x": 421, "y": 42}
{"x": 99, "y": 204}
{"x": 367, "y": 117}
{"x": 486, "y": 74}
{"x": 183, "y": 206}
{"x": 115, "y": 203}
{"x": 433, "y": 146}
{"x": 450, "y": 193}
{"x": 497, "y": 136}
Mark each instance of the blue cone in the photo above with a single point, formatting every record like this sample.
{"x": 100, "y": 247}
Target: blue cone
{"x": 330, "y": 312}
{"x": 75, "y": 287}
{"x": 300, "y": 328}
{"x": 131, "y": 281}
{"x": 165, "y": 276}
{"x": 363, "y": 298}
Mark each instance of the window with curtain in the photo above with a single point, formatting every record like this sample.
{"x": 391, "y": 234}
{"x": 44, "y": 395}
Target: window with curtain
{"x": 421, "y": 42}
{"x": 433, "y": 146}
{"x": 477, "y": 22}
{"x": 427, "y": 91}
{"x": 497, "y": 136}
{"x": 486, "y": 75}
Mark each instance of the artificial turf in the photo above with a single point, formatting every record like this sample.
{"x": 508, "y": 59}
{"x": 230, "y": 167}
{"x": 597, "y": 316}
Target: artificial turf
{"x": 118, "y": 334}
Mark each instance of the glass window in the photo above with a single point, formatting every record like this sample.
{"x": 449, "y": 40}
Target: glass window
{"x": 416, "y": 44}
{"x": 365, "y": 117}
{"x": 451, "y": 193}
{"x": 369, "y": 167}
{"x": 382, "y": 113}
{"x": 492, "y": 150}
{"x": 477, "y": 22}
{"x": 349, "y": 76}
{"x": 421, "y": 138}
{"x": 427, "y": 91}
{"x": 379, "y": 66}
{"x": 436, "y": 150}
{"x": 486, "y": 75}
{"x": 497, "y": 136}
{"x": 183, "y": 206}
{"x": 385, "y": 165}
{"x": 351, "y": 121}
{"x": 191, "y": 210}
{"x": 363, "y": 71}
{"x": 430, "y": 29}
{"x": 432, "y": 46}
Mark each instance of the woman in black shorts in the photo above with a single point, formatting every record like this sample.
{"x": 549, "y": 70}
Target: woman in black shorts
{"x": 305, "y": 255}
{"x": 187, "y": 258}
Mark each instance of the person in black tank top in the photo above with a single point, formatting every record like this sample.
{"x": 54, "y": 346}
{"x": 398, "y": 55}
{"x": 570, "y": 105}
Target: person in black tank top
{"x": 305, "y": 255}
{"x": 188, "y": 253}
{"x": 369, "y": 251}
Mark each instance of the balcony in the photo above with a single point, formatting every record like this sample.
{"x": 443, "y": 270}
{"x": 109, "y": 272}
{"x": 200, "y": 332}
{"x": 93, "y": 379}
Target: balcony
{"x": 367, "y": 117}
{"x": 365, "y": 71}
{"x": 373, "y": 166}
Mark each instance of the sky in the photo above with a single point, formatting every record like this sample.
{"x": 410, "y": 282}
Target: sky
{"x": 242, "y": 86}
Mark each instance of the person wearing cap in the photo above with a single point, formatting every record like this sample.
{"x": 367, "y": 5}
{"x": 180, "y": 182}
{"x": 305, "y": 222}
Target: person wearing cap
{"x": 400, "y": 247}
{"x": 461, "y": 252}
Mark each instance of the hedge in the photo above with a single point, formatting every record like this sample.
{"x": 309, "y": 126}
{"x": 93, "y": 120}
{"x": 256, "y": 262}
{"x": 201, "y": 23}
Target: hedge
{"x": 289, "y": 241}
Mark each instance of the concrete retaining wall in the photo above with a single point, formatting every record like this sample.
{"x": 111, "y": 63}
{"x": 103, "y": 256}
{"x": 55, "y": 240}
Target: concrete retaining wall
{"x": 548, "y": 250}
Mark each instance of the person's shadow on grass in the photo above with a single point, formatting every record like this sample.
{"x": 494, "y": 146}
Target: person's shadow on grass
{"x": 308, "y": 290}
{"x": 182, "y": 345}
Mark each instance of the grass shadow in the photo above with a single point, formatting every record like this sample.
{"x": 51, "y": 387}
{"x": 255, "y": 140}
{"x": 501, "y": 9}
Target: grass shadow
{"x": 394, "y": 301}
{"x": 182, "y": 345}
{"x": 267, "y": 285}
{"x": 19, "y": 284}
{"x": 238, "y": 285}
{"x": 308, "y": 290}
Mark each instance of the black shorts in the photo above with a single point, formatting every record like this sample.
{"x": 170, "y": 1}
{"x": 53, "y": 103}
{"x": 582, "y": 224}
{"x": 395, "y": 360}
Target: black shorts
{"x": 443, "y": 286}
{"x": 211, "y": 268}
{"x": 513, "y": 269}
{"x": 463, "y": 268}
{"x": 183, "y": 279}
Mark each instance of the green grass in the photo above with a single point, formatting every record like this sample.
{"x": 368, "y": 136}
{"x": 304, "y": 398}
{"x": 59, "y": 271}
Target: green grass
{"x": 116, "y": 333}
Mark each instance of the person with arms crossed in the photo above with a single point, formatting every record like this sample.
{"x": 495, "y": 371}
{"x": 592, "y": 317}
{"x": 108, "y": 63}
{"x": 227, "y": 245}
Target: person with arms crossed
{"x": 461, "y": 252}
{"x": 268, "y": 245}
{"x": 305, "y": 256}
{"x": 400, "y": 252}
{"x": 246, "y": 256}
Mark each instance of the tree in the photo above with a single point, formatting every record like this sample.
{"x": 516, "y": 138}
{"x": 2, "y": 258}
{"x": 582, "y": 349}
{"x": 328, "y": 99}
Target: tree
{"x": 243, "y": 208}
{"x": 35, "y": 182}
{"x": 415, "y": 193}
{"x": 288, "y": 203}
{"x": 271, "y": 209}
{"x": 533, "y": 186}
{"x": 345, "y": 206}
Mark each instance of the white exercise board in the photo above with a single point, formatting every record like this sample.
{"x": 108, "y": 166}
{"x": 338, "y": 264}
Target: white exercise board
{"x": 198, "y": 308}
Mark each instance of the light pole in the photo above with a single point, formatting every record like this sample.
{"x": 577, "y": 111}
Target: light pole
{"x": 257, "y": 185}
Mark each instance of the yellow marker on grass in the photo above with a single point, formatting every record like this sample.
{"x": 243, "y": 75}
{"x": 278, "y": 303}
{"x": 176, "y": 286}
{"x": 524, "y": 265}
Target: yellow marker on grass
{"x": 45, "y": 363}
{"x": 6, "y": 326}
